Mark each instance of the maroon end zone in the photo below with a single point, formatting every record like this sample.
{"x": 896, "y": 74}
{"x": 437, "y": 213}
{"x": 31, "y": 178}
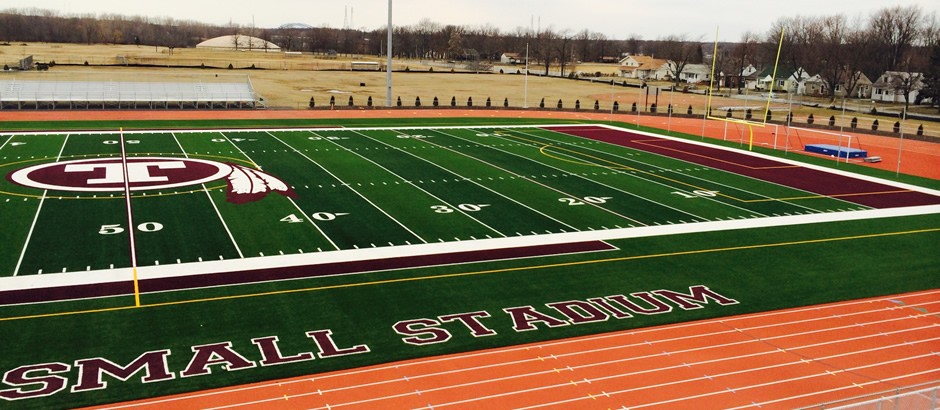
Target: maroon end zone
{"x": 293, "y": 272}
{"x": 846, "y": 188}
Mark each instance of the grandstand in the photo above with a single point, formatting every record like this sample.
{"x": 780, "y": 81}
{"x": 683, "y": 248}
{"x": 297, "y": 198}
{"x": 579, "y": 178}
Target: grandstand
{"x": 92, "y": 91}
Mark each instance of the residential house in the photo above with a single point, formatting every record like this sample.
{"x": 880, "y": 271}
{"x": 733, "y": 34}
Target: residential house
{"x": 696, "y": 73}
{"x": 815, "y": 85}
{"x": 640, "y": 66}
{"x": 788, "y": 80}
{"x": 862, "y": 89}
{"x": 892, "y": 86}
{"x": 739, "y": 80}
{"x": 511, "y": 58}
{"x": 691, "y": 73}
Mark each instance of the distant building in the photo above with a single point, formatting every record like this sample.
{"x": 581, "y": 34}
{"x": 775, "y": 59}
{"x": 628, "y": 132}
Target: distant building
{"x": 893, "y": 85}
{"x": 640, "y": 66}
{"x": 238, "y": 42}
{"x": 511, "y": 58}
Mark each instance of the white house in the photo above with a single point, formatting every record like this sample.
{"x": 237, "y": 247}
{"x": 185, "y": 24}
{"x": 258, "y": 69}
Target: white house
{"x": 892, "y": 85}
{"x": 786, "y": 80}
{"x": 695, "y": 73}
{"x": 815, "y": 85}
{"x": 640, "y": 66}
{"x": 511, "y": 58}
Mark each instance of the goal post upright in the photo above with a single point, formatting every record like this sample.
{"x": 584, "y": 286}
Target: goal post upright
{"x": 773, "y": 78}
{"x": 750, "y": 124}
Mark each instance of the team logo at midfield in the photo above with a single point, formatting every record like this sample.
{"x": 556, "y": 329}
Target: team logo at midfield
{"x": 149, "y": 173}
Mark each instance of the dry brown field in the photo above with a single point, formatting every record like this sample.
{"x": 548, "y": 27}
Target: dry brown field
{"x": 291, "y": 80}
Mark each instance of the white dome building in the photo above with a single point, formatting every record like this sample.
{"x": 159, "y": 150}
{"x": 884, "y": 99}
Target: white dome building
{"x": 238, "y": 42}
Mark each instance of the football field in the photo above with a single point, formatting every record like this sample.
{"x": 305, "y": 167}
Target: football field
{"x": 354, "y": 189}
{"x": 164, "y": 239}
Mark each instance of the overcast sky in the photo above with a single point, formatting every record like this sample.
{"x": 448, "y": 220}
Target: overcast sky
{"x": 618, "y": 19}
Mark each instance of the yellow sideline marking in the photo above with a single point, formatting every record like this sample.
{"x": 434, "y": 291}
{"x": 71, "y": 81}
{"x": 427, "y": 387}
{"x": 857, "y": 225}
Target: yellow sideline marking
{"x": 475, "y": 273}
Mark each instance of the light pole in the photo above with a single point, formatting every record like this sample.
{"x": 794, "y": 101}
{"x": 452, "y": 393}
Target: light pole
{"x": 388, "y": 64}
{"x": 525, "y": 87}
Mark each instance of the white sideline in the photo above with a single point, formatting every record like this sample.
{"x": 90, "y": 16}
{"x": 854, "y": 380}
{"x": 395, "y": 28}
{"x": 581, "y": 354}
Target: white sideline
{"x": 348, "y": 255}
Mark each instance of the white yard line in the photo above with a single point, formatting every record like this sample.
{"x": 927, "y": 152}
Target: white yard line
{"x": 10, "y": 138}
{"x": 411, "y": 183}
{"x": 291, "y": 200}
{"x": 580, "y": 176}
{"x": 347, "y": 185}
{"x": 29, "y": 235}
{"x": 680, "y": 188}
{"x": 527, "y": 179}
{"x": 211, "y": 202}
{"x": 470, "y": 180}
{"x": 32, "y": 226}
{"x": 712, "y": 182}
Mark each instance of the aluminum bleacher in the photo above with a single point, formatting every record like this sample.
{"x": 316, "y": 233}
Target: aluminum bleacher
{"x": 53, "y": 93}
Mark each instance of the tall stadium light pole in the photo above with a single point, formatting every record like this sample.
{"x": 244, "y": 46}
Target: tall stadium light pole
{"x": 388, "y": 64}
{"x": 525, "y": 87}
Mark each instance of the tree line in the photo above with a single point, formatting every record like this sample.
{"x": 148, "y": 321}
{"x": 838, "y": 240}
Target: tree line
{"x": 835, "y": 47}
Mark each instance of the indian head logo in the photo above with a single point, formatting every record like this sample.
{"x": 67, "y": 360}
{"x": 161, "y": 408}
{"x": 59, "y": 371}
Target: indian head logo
{"x": 150, "y": 173}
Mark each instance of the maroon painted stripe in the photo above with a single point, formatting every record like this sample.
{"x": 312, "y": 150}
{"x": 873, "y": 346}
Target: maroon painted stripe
{"x": 847, "y": 188}
{"x": 294, "y": 272}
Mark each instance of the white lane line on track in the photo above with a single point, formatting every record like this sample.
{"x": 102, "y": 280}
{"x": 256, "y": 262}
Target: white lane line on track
{"x": 590, "y": 339}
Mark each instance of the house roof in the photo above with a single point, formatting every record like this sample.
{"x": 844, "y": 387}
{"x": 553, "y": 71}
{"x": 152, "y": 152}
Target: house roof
{"x": 645, "y": 63}
{"x": 782, "y": 72}
{"x": 895, "y": 77}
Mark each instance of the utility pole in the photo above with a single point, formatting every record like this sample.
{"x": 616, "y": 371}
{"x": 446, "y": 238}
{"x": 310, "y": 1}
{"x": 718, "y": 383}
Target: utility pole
{"x": 388, "y": 67}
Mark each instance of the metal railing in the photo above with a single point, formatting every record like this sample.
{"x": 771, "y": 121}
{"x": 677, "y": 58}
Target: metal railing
{"x": 925, "y": 396}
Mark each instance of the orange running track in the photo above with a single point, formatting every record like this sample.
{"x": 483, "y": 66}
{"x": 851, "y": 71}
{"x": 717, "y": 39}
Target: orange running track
{"x": 774, "y": 360}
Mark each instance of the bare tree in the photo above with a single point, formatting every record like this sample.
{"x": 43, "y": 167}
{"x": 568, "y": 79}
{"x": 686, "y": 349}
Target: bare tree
{"x": 797, "y": 44}
{"x": 563, "y": 49}
{"x": 680, "y": 52}
{"x": 743, "y": 55}
{"x": 455, "y": 46}
{"x": 832, "y": 62}
{"x": 894, "y": 31}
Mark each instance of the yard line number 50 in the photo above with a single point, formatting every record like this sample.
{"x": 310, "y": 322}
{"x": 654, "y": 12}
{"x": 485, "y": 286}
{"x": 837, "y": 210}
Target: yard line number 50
{"x": 114, "y": 229}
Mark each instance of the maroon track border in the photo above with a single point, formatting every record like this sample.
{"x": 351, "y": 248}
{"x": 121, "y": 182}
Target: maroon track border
{"x": 855, "y": 190}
